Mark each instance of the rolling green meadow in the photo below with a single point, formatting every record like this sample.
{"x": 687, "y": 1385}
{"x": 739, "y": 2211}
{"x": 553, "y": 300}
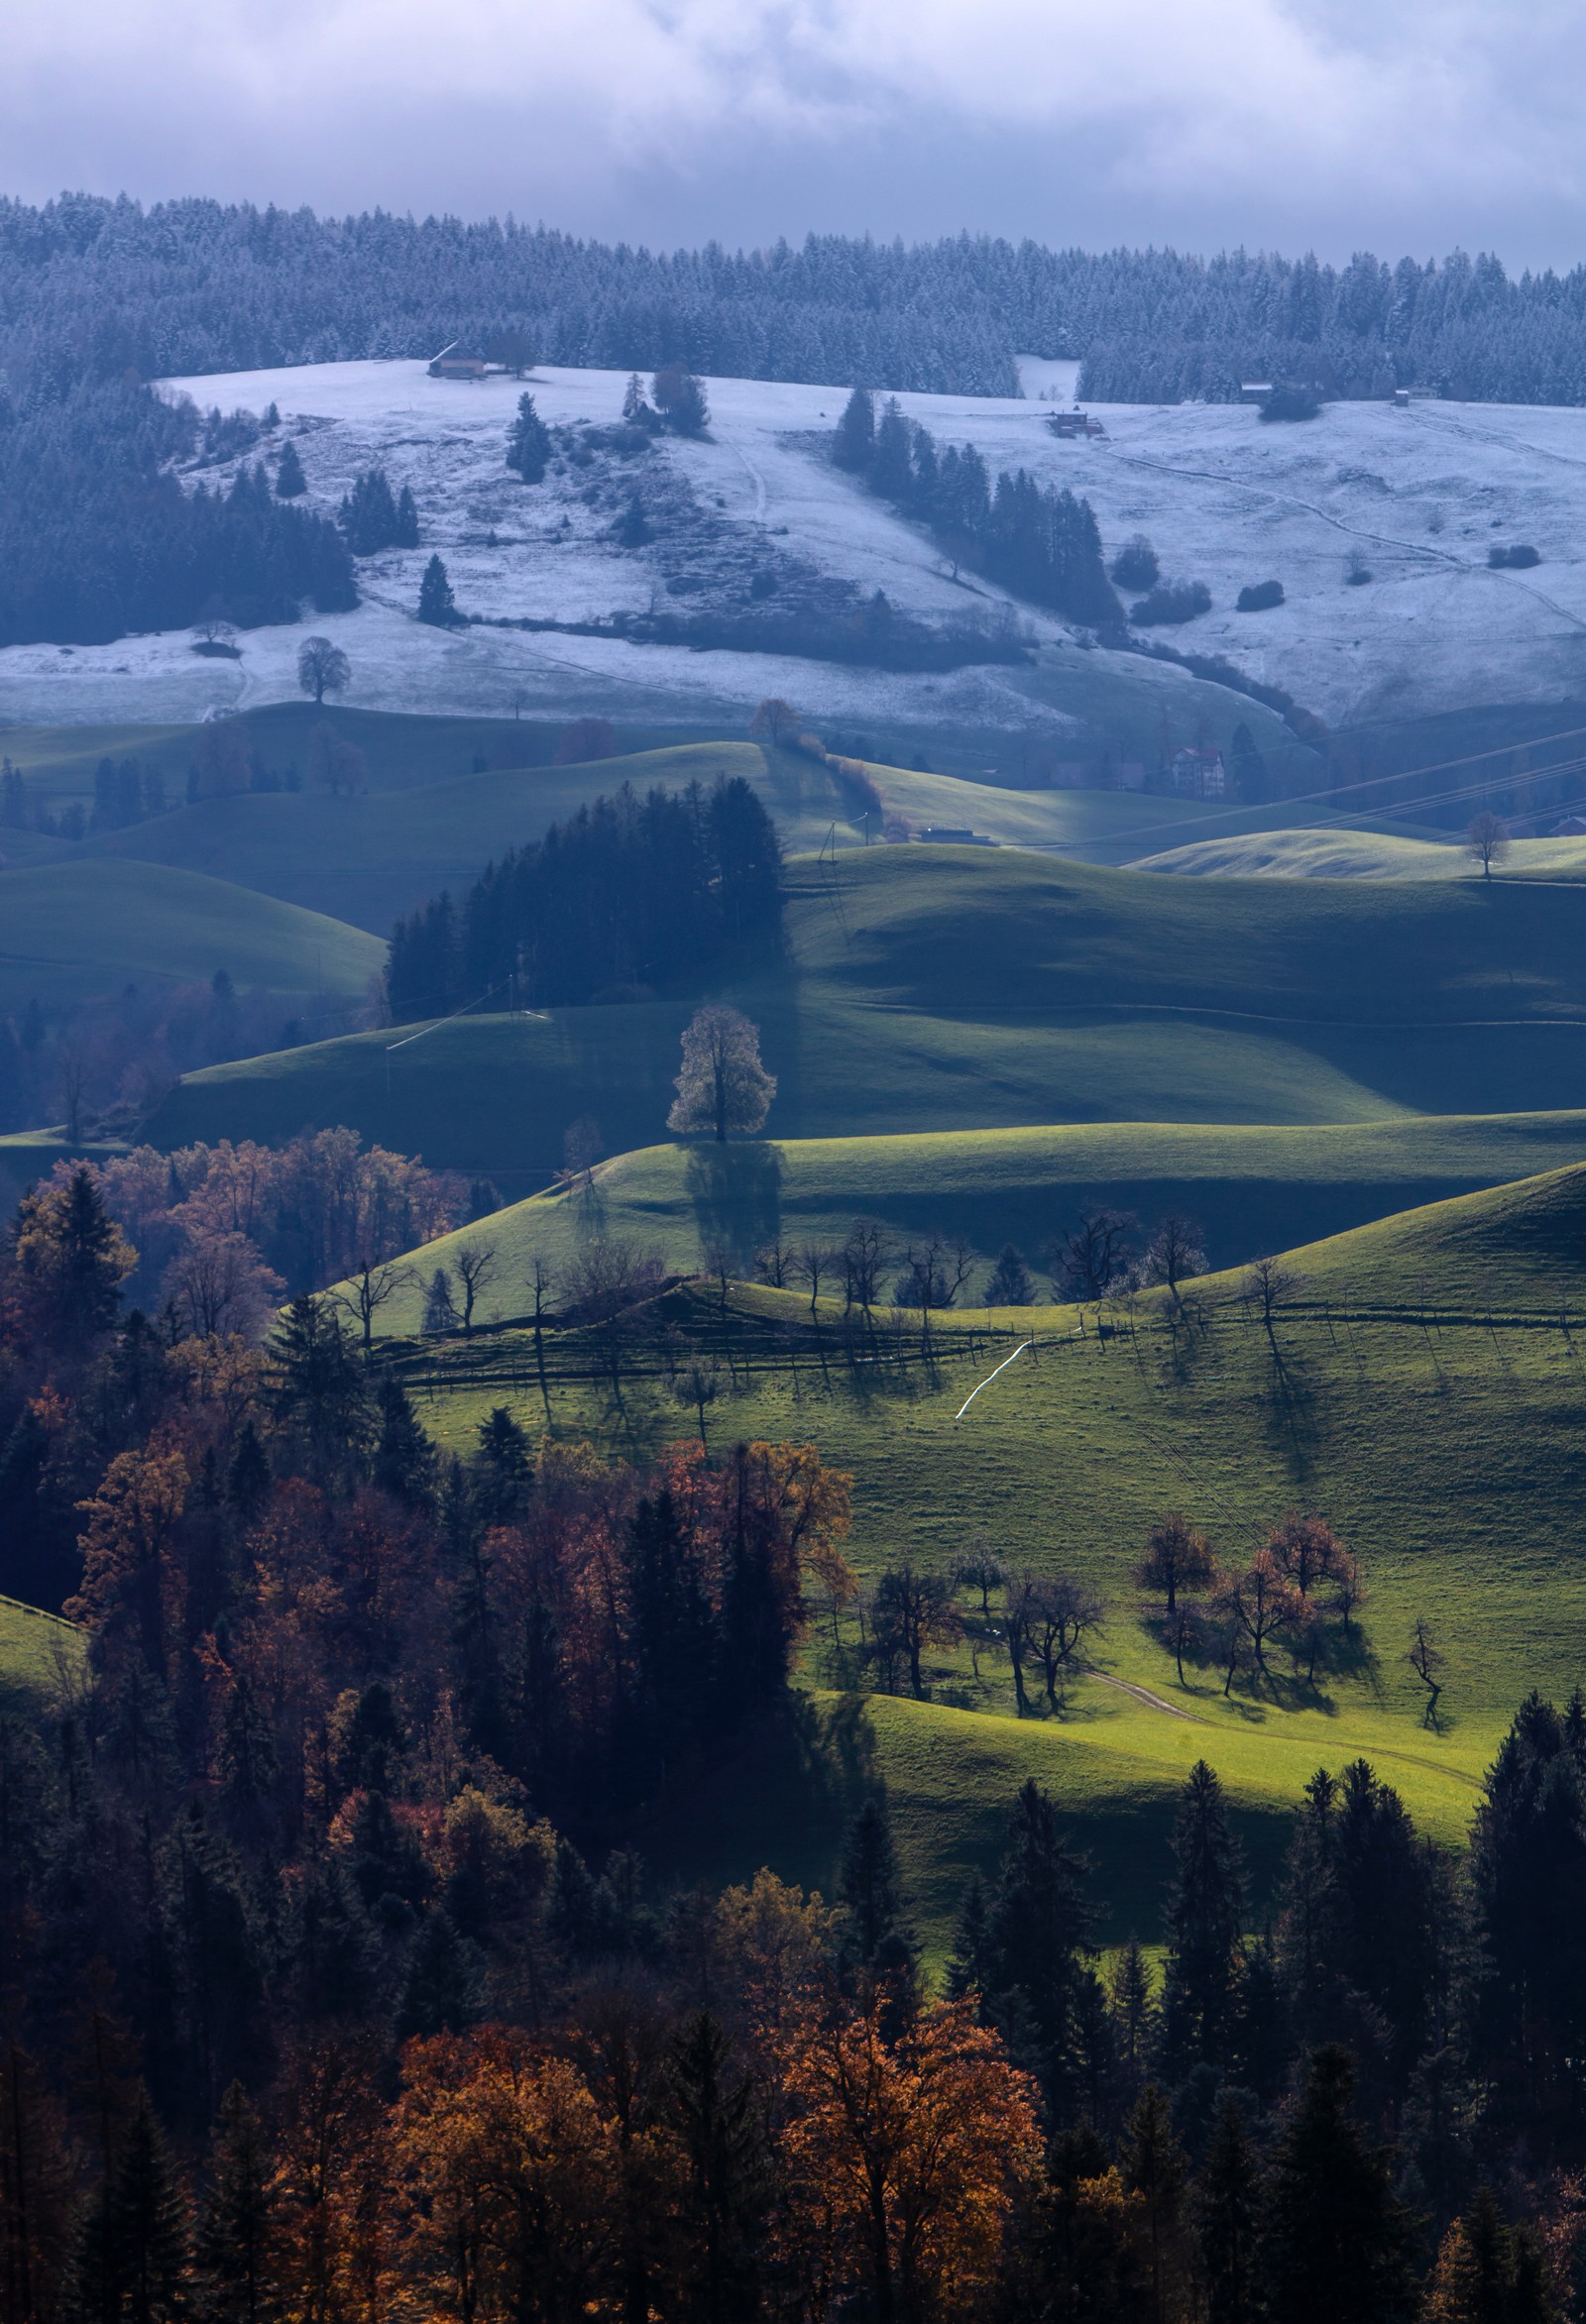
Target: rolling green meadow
{"x": 1421, "y": 1386}
{"x": 1343, "y": 1047}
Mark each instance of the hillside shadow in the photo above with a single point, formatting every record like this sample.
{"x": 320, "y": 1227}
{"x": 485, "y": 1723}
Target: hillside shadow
{"x": 736, "y": 1197}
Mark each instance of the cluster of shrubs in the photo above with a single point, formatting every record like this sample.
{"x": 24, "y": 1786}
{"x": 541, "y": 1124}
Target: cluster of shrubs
{"x": 1519, "y": 555}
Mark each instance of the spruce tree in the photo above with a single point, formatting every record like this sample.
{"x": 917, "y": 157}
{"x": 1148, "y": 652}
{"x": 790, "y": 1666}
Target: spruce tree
{"x": 1039, "y": 1940}
{"x": 528, "y": 442}
{"x": 854, "y": 438}
{"x": 1205, "y": 1919}
{"x": 442, "y": 1991}
{"x": 727, "y": 2182}
{"x": 1010, "y": 1283}
{"x": 291, "y": 481}
{"x": 1227, "y": 2212}
{"x": 1336, "y": 2241}
{"x": 876, "y": 1941}
{"x": 891, "y": 471}
{"x": 405, "y": 532}
{"x": 406, "y": 1463}
{"x": 436, "y": 605}
{"x": 237, "y": 2245}
{"x": 1155, "y": 2168}
{"x": 133, "y": 2241}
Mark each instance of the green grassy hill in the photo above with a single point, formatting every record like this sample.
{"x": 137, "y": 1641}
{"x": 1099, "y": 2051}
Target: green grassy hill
{"x": 68, "y": 930}
{"x": 38, "y": 1652}
{"x": 369, "y": 858}
{"x": 952, "y": 988}
{"x": 1420, "y": 1389}
{"x": 1360, "y": 855}
{"x": 1252, "y": 1189}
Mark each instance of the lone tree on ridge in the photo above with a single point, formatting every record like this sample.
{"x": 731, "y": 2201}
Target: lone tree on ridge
{"x": 322, "y": 668}
{"x": 1487, "y": 842}
{"x": 723, "y": 1086}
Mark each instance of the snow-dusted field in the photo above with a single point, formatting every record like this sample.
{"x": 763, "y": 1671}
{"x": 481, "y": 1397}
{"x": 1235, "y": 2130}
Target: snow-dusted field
{"x": 1419, "y": 494}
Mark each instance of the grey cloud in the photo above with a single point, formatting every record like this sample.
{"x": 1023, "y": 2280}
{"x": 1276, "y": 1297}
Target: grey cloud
{"x": 1330, "y": 124}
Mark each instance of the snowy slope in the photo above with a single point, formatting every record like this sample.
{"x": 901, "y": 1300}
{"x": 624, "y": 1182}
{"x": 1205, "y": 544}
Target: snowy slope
{"x": 1420, "y": 494}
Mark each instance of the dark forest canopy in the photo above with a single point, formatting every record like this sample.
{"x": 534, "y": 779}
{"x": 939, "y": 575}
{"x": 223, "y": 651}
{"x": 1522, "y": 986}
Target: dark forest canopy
{"x": 630, "y": 892}
{"x": 96, "y": 287}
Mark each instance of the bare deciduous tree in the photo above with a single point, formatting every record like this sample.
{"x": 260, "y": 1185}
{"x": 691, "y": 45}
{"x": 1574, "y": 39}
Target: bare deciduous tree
{"x": 776, "y": 1262}
{"x": 1426, "y": 1659}
{"x": 1487, "y": 842}
{"x": 1266, "y": 1285}
{"x": 1174, "y": 1252}
{"x": 698, "y": 1385}
{"x": 861, "y": 1260}
{"x": 1063, "y": 1613}
{"x": 370, "y": 1290}
{"x": 478, "y": 1264}
{"x": 1090, "y": 1261}
{"x": 219, "y": 1284}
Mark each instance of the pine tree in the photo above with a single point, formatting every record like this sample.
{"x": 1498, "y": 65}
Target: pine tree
{"x": 133, "y": 2241}
{"x": 237, "y": 2246}
{"x": 891, "y": 471}
{"x": 1040, "y": 1935}
{"x": 1227, "y": 2209}
{"x": 876, "y": 1942}
{"x": 406, "y": 1463}
{"x": 506, "y": 1469}
{"x": 1010, "y": 1283}
{"x": 1336, "y": 2241}
{"x": 727, "y": 2182}
{"x": 440, "y": 1308}
{"x": 442, "y": 1991}
{"x": 1155, "y": 2168}
{"x": 853, "y": 439}
{"x": 436, "y": 605}
{"x": 1248, "y": 768}
{"x": 967, "y": 1964}
{"x": 405, "y": 532}
{"x": 1205, "y": 1919}
{"x": 528, "y": 442}
{"x": 291, "y": 481}
{"x": 633, "y": 530}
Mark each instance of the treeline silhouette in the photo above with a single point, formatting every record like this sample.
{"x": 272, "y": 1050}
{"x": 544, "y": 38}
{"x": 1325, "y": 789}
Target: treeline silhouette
{"x": 630, "y": 893}
{"x": 96, "y": 287}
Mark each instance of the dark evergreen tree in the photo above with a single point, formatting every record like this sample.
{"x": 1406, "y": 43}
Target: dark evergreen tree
{"x": 854, "y": 439}
{"x": 1338, "y": 2243}
{"x": 238, "y": 2244}
{"x": 369, "y": 517}
{"x": 877, "y": 1943}
{"x": 291, "y": 481}
{"x": 436, "y": 605}
{"x": 442, "y": 1991}
{"x": 728, "y": 2186}
{"x": 1155, "y": 2168}
{"x": 528, "y": 442}
{"x": 1010, "y": 1283}
{"x": 1039, "y": 1943}
{"x": 1248, "y": 768}
{"x": 406, "y": 1463}
{"x": 1205, "y": 1921}
{"x": 1227, "y": 2214}
{"x": 406, "y": 533}
{"x": 132, "y": 2240}
{"x": 891, "y": 469}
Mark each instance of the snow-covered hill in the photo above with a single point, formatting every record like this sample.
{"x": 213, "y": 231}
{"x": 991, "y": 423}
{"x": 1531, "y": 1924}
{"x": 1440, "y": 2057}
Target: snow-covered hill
{"x": 1418, "y": 496}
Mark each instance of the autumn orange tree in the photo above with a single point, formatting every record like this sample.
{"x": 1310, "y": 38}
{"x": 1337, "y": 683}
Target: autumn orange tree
{"x": 903, "y": 2153}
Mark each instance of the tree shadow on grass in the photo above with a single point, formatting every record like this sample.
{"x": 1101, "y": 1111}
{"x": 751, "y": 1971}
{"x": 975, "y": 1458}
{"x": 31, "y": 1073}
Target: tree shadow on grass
{"x": 736, "y": 1196}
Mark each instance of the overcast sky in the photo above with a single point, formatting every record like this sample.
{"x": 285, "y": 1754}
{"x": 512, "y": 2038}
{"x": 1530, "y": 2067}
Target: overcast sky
{"x": 1336, "y": 125}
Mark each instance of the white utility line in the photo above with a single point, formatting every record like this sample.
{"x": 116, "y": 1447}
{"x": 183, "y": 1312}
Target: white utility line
{"x": 990, "y": 1376}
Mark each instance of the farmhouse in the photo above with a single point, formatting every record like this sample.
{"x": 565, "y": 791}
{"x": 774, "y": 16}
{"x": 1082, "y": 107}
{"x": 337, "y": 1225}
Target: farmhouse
{"x": 1199, "y": 774}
